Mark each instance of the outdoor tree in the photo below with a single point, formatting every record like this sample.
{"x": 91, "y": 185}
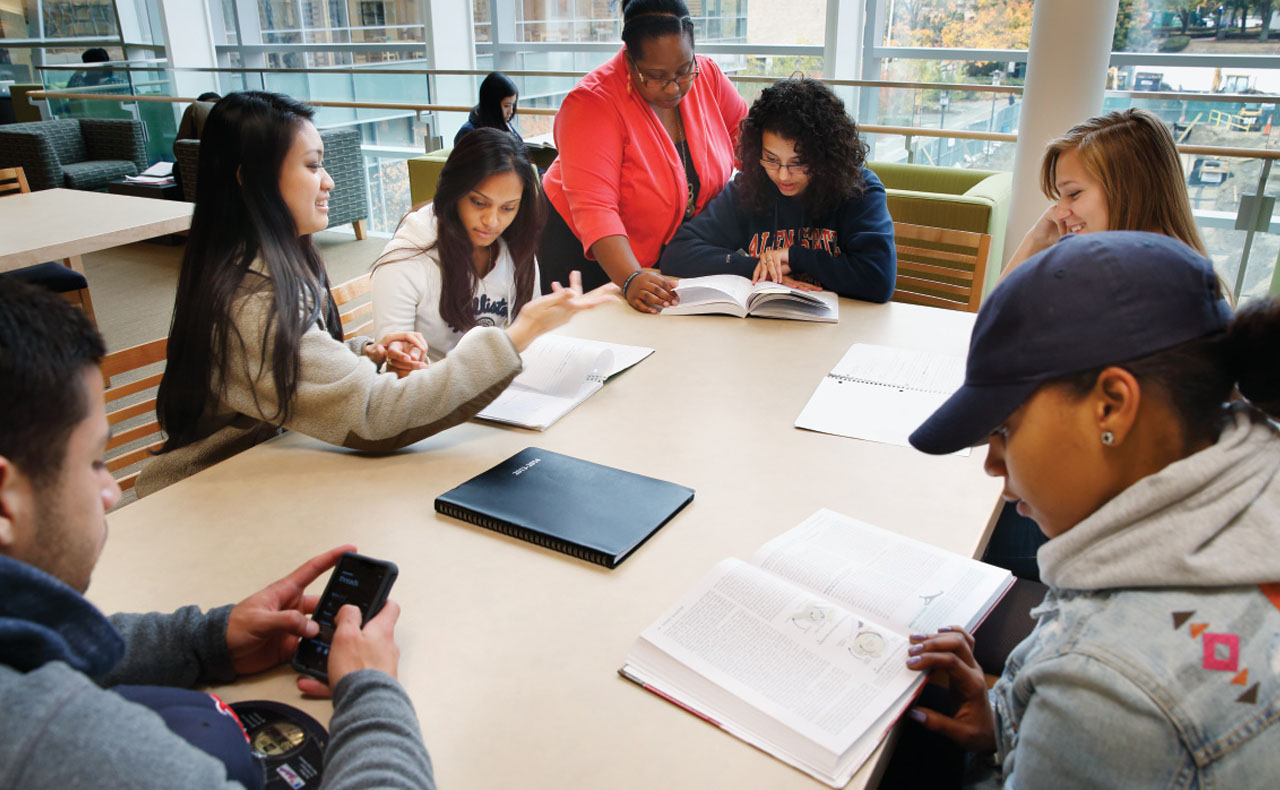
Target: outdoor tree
{"x": 1133, "y": 30}
{"x": 990, "y": 24}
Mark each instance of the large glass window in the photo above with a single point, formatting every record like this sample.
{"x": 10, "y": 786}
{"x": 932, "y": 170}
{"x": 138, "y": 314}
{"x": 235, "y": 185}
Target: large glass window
{"x": 92, "y": 21}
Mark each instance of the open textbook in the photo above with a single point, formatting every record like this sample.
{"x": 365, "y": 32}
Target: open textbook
{"x": 802, "y": 652}
{"x": 881, "y": 394}
{"x": 559, "y": 373}
{"x": 734, "y": 295}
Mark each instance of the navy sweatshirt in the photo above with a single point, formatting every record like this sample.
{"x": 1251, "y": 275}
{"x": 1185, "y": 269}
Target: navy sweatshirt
{"x": 850, "y": 251}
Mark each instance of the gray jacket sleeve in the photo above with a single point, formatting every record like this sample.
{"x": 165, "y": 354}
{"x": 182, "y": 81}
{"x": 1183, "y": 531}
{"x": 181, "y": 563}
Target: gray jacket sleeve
{"x": 374, "y": 737}
{"x": 186, "y": 648}
{"x": 63, "y": 731}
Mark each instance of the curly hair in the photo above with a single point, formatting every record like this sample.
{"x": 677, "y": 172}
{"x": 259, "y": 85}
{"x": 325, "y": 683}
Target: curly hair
{"x": 806, "y": 111}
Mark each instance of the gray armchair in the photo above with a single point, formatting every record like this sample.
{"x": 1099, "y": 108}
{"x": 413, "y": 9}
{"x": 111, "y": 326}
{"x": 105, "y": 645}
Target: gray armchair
{"x": 349, "y": 201}
{"x": 88, "y": 153}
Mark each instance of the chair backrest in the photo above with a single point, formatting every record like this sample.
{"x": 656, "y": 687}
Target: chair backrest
{"x": 940, "y": 267}
{"x": 355, "y": 306}
{"x": 13, "y": 180}
{"x": 131, "y": 408}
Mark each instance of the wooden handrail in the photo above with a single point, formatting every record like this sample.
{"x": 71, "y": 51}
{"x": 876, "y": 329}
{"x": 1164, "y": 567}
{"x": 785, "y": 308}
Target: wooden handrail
{"x": 358, "y": 105}
{"x": 961, "y": 87}
{"x": 905, "y": 131}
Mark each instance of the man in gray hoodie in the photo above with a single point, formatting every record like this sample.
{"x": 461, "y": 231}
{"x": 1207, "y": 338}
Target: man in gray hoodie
{"x": 64, "y": 724}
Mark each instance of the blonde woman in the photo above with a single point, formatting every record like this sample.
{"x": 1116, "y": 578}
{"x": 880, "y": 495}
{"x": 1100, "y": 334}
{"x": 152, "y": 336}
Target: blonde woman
{"x": 1118, "y": 171}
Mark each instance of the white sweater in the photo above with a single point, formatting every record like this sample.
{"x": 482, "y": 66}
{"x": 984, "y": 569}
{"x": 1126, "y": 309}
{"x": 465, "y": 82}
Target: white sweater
{"x": 406, "y": 290}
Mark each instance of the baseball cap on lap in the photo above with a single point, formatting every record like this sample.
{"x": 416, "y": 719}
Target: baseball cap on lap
{"x": 1086, "y": 302}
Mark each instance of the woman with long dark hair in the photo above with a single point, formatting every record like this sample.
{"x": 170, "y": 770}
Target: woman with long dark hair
{"x": 465, "y": 259}
{"x": 804, "y": 211}
{"x": 255, "y": 345}
{"x": 499, "y": 102}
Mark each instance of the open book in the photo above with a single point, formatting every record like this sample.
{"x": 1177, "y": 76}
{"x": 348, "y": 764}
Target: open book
{"x": 802, "y": 652}
{"x": 882, "y": 394}
{"x": 734, "y": 295}
{"x": 559, "y": 373}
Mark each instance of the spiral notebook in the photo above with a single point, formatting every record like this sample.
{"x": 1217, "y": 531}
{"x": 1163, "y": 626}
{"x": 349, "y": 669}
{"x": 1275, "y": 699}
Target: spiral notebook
{"x": 584, "y": 509}
{"x": 882, "y": 394}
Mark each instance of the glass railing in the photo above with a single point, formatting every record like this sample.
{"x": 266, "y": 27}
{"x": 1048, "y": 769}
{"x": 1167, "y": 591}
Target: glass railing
{"x": 402, "y": 109}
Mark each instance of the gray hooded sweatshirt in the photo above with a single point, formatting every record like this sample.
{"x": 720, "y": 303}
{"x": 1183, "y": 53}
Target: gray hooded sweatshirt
{"x": 1155, "y": 661}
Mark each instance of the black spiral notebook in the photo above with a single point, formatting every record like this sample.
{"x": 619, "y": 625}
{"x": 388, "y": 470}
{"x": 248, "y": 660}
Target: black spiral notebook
{"x": 590, "y": 511}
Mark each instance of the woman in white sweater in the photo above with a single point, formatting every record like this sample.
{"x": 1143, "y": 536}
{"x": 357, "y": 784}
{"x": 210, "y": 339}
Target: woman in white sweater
{"x": 256, "y": 343}
{"x": 465, "y": 259}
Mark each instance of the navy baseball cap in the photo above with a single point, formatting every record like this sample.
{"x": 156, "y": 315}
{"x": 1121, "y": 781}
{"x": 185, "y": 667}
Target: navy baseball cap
{"x": 1086, "y": 302}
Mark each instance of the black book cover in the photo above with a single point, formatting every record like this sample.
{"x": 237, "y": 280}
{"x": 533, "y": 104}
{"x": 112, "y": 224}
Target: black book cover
{"x": 593, "y": 512}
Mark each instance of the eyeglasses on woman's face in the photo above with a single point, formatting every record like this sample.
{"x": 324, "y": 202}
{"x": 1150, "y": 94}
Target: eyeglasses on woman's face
{"x": 681, "y": 80}
{"x": 795, "y": 169}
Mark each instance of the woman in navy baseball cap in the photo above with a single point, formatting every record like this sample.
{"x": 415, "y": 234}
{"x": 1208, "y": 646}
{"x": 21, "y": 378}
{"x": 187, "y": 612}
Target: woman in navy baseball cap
{"x": 1133, "y": 418}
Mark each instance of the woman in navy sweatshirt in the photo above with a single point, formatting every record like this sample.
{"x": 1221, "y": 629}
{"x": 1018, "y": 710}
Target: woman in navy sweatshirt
{"x": 803, "y": 211}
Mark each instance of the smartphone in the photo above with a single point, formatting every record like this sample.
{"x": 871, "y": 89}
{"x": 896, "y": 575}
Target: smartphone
{"x": 358, "y": 580}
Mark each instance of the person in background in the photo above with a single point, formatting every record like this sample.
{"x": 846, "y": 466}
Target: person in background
{"x": 93, "y": 77}
{"x": 466, "y": 259}
{"x": 497, "y": 107}
{"x": 191, "y": 126}
{"x": 1102, "y": 374}
{"x": 194, "y": 117}
{"x": 645, "y": 141}
{"x": 804, "y": 211}
{"x": 72, "y": 709}
{"x": 256, "y": 342}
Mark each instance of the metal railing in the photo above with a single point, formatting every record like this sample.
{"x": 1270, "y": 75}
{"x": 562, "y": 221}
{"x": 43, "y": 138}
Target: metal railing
{"x": 1253, "y": 215}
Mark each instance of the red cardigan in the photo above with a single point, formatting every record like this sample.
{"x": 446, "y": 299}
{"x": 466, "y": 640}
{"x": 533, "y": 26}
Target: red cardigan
{"x": 618, "y": 172}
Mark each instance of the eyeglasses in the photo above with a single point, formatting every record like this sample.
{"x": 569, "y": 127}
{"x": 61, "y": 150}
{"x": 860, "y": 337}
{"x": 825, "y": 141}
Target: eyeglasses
{"x": 795, "y": 169}
{"x": 681, "y": 80}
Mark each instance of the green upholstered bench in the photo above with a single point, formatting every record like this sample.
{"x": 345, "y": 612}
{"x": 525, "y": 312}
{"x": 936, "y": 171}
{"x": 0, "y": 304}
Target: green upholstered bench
{"x": 949, "y": 197}
{"x": 424, "y": 173}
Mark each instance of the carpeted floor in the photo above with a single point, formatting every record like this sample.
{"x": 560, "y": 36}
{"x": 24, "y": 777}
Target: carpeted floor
{"x": 133, "y": 286}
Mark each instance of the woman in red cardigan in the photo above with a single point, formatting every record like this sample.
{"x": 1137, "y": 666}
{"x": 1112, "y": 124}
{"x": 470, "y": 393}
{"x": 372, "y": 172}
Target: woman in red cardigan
{"x": 645, "y": 141}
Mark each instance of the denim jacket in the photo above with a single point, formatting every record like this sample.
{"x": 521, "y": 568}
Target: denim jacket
{"x": 1155, "y": 661}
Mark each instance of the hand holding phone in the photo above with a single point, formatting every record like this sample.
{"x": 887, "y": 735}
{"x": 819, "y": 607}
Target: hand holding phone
{"x": 364, "y": 583}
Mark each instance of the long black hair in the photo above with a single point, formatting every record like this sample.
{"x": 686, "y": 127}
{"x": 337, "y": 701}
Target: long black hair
{"x": 488, "y": 112}
{"x": 643, "y": 20}
{"x": 240, "y": 217}
{"x": 826, "y": 139}
{"x": 480, "y": 154}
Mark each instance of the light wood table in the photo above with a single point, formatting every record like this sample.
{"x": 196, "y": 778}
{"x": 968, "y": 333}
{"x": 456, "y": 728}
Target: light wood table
{"x": 510, "y": 651}
{"x": 64, "y": 224}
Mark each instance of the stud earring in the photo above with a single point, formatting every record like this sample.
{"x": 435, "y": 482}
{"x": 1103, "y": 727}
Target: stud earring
{"x": 1108, "y": 438}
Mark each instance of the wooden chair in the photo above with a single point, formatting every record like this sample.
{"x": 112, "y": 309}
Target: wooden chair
{"x": 13, "y": 179}
{"x": 354, "y": 293}
{"x": 66, "y": 278}
{"x": 131, "y": 408}
{"x": 940, "y": 267}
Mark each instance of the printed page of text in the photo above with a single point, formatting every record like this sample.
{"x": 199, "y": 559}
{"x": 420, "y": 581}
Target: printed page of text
{"x": 910, "y": 585}
{"x": 812, "y": 665}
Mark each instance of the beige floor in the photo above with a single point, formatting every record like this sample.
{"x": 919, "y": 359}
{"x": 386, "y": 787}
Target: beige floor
{"x": 133, "y": 286}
